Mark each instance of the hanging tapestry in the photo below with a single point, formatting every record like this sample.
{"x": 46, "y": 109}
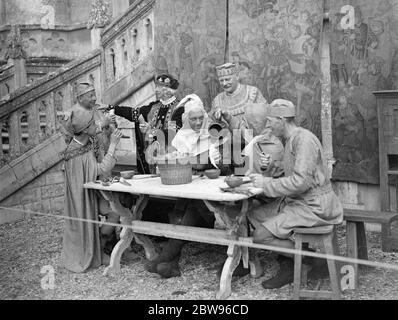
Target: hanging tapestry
{"x": 190, "y": 42}
{"x": 364, "y": 59}
{"x": 277, "y": 46}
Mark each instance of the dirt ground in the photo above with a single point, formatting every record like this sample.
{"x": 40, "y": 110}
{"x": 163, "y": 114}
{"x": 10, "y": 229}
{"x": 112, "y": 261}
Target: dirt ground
{"x": 27, "y": 246}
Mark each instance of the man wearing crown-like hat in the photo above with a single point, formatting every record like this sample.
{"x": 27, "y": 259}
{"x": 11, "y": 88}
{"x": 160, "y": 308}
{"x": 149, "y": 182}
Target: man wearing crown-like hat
{"x": 304, "y": 196}
{"x": 235, "y": 96}
{"x": 230, "y": 105}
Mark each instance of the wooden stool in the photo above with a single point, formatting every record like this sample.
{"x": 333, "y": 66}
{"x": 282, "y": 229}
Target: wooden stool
{"x": 327, "y": 235}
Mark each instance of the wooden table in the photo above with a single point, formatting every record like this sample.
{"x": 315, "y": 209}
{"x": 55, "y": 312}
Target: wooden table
{"x": 200, "y": 189}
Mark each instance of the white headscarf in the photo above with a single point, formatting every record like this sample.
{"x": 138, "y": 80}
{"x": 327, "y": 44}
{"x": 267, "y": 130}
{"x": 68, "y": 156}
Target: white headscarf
{"x": 187, "y": 140}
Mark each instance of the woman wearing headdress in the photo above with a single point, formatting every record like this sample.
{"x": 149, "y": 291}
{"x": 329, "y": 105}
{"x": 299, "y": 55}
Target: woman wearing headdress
{"x": 195, "y": 140}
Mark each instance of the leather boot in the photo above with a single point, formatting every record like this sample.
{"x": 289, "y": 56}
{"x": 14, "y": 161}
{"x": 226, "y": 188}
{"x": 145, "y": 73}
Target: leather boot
{"x": 169, "y": 269}
{"x": 284, "y": 276}
{"x": 169, "y": 253}
{"x": 151, "y": 266}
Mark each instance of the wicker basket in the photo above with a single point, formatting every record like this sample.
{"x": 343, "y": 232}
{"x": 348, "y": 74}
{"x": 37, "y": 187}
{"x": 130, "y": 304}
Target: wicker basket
{"x": 175, "y": 172}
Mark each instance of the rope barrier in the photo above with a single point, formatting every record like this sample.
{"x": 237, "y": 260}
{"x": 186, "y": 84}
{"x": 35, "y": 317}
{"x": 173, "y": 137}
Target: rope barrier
{"x": 232, "y": 242}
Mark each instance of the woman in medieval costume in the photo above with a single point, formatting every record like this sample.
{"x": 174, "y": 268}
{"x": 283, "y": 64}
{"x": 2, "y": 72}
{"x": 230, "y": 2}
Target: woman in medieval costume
{"x": 82, "y": 248}
{"x": 193, "y": 139}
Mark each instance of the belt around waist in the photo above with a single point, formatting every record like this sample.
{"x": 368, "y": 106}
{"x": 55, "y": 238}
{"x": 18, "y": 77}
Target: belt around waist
{"x": 320, "y": 190}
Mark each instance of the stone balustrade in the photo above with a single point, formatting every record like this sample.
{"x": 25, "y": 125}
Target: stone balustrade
{"x": 29, "y": 115}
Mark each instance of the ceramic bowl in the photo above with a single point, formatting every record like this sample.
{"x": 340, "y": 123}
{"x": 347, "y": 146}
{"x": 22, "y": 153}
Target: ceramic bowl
{"x": 212, "y": 173}
{"x": 127, "y": 174}
{"x": 233, "y": 182}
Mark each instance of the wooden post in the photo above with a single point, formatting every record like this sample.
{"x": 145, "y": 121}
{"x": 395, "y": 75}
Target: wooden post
{"x": 352, "y": 246}
{"x": 326, "y": 108}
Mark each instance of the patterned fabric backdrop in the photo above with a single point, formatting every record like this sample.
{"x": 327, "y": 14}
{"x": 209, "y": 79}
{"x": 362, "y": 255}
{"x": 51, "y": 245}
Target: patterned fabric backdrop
{"x": 363, "y": 60}
{"x": 276, "y": 43}
{"x": 190, "y": 41}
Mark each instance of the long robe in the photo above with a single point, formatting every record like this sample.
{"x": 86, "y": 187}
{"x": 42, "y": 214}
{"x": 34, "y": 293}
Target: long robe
{"x": 81, "y": 240}
{"x": 304, "y": 196}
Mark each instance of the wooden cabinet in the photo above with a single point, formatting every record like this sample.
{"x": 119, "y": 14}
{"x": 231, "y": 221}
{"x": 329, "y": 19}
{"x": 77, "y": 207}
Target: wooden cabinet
{"x": 387, "y": 111}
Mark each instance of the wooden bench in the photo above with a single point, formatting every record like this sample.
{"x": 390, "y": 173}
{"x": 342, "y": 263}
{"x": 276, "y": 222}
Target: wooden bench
{"x": 356, "y": 236}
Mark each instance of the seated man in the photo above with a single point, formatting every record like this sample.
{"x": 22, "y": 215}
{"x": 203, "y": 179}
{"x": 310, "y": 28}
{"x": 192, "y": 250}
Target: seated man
{"x": 194, "y": 139}
{"x": 82, "y": 248}
{"x": 303, "y": 197}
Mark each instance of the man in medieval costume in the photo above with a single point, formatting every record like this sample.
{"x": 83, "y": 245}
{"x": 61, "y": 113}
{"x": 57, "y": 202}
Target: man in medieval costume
{"x": 235, "y": 96}
{"x": 233, "y": 101}
{"x": 155, "y": 125}
{"x": 154, "y": 121}
{"x": 303, "y": 196}
{"x": 82, "y": 248}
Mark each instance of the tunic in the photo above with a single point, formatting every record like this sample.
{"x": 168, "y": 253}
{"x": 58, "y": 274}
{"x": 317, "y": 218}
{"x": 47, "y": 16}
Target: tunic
{"x": 304, "y": 196}
{"x": 158, "y": 117}
{"x": 81, "y": 241}
{"x": 235, "y": 103}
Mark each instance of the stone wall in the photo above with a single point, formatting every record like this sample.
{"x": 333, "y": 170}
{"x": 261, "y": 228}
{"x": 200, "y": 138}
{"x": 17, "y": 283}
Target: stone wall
{"x": 43, "y": 194}
{"x": 79, "y": 10}
{"x": 62, "y": 12}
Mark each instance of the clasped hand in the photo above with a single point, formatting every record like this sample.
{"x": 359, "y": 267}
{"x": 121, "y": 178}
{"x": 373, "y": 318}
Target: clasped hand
{"x": 218, "y": 114}
{"x": 257, "y": 180}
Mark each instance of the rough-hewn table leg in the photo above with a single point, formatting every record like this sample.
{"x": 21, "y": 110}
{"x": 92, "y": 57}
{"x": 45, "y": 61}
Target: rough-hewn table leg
{"x": 126, "y": 236}
{"x": 150, "y": 251}
{"x": 235, "y": 227}
{"x": 234, "y": 256}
